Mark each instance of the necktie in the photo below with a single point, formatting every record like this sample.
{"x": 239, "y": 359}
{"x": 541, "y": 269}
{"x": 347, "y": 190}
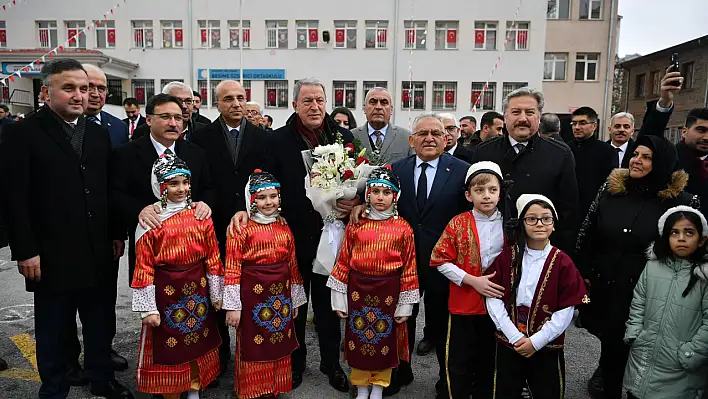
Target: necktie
{"x": 234, "y": 133}
{"x": 422, "y": 194}
{"x": 93, "y": 119}
{"x": 168, "y": 152}
{"x": 520, "y": 148}
{"x": 379, "y": 139}
{"x": 618, "y": 150}
{"x": 132, "y": 127}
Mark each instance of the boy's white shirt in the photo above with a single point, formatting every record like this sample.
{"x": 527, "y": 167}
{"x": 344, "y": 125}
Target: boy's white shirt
{"x": 532, "y": 266}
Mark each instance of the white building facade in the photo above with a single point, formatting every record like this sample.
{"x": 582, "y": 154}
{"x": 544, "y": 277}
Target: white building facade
{"x": 446, "y": 50}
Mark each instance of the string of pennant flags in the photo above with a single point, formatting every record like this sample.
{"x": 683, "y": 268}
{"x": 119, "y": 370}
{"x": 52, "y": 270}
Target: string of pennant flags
{"x": 11, "y": 4}
{"x": 51, "y": 53}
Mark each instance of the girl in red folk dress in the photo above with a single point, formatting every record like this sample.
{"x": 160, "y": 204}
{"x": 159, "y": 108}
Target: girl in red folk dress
{"x": 375, "y": 285}
{"x": 178, "y": 276}
{"x": 263, "y": 282}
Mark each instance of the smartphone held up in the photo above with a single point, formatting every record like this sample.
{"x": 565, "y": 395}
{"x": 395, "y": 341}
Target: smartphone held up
{"x": 674, "y": 66}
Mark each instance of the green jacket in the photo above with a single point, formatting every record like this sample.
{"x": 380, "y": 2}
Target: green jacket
{"x": 668, "y": 332}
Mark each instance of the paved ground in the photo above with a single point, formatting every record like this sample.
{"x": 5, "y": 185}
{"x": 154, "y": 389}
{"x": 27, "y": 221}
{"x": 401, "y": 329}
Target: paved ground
{"x": 21, "y": 381}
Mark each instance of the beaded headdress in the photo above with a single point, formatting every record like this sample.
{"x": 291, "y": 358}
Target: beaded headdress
{"x": 165, "y": 168}
{"x": 259, "y": 181}
{"x": 384, "y": 177}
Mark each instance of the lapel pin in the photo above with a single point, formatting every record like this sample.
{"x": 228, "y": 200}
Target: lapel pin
{"x": 447, "y": 169}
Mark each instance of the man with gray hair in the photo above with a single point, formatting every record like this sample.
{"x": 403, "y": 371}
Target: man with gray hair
{"x": 452, "y": 135}
{"x": 377, "y": 135}
{"x": 535, "y": 163}
{"x": 185, "y": 94}
{"x": 253, "y": 113}
{"x": 621, "y": 129}
{"x": 550, "y": 126}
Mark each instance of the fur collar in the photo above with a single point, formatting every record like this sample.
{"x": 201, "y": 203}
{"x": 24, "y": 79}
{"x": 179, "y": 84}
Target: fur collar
{"x": 617, "y": 180}
{"x": 701, "y": 271}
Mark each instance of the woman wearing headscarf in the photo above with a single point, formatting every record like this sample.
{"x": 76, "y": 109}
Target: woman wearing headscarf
{"x": 612, "y": 243}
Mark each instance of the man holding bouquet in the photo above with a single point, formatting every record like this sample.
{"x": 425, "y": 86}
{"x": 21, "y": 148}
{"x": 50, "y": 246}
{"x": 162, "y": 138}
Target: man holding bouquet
{"x": 309, "y": 127}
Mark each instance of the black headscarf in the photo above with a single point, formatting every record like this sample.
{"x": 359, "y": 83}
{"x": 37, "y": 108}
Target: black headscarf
{"x": 664, "y": 161}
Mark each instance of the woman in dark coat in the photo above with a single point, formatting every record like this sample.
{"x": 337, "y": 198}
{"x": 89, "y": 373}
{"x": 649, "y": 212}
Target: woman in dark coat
{"x": 612, "y": 244}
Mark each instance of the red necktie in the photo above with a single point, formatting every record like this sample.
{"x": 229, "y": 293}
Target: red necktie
{"x": 132, "y": 127}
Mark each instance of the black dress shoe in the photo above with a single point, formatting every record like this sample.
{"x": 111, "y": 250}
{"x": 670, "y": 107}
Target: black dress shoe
{"x": 424, "y": 347}
{"x": 118, "y": 362}
{"x": 3, "y": 364}
{"x": 297, "y": 379}
{"x": 111, "y": 390}
{"x": 596, "y": 384}
{"x": 338, "y": 380}
{"x": 75, "y": 376}
{"x": 401, "y": 376}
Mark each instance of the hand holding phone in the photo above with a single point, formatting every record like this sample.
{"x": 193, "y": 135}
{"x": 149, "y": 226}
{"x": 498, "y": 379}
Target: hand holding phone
{"x": 674, "y": 66}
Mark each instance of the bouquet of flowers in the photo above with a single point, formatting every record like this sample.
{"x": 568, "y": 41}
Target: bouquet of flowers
{"x": 333, "y": 174}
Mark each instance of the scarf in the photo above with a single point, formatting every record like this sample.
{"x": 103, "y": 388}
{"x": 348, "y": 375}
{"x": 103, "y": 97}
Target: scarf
{"x": 375, "y": 214}
{"x": 312, "y": 138}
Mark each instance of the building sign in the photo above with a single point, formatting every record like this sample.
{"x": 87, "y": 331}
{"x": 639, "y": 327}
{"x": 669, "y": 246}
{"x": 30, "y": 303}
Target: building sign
{"x": 235, "y": 74}
{"x": 8, "y": 68}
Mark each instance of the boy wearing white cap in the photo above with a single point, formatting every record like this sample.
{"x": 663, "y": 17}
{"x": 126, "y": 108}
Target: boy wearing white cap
{"x": 541, "y": 289}
{"x": 468, "y": 245}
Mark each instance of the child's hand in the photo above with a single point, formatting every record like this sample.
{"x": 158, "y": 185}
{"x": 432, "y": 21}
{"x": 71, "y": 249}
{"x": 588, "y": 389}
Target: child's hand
{"x": 152, "y": 321}
{"x": 233, "y": 318}
{"x": 341, "y": 315}
{"x": 484, "y": 285}
{"x": 524, "y": 347}
{"x": 217, "y": 305}
{"x": 401, "y": 319}
{"x": 295, "y": 313}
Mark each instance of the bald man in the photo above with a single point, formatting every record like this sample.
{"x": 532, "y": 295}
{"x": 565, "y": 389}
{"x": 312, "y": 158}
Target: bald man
{"x": 234, "y": 147}
{"x": 98, "y": 91}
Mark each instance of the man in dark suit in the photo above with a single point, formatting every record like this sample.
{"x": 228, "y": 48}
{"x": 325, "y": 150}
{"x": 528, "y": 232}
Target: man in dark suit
{"x": 536, "y": 164}
{"x": 196, "y": 116}
{"x": 235, "y": 148}
{"x": 185, "y": 94}
{"x": 134, "y": 120}
{"x": 621, "y": 129}
{"x": 452, "y": 134}
{"x": 550, "y": 126}
{"x": 59, "y": 228}
{"x": 117, "y": 130}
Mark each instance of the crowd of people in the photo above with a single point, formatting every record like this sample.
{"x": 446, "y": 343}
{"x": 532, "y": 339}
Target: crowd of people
{"x": 502, "y": 230}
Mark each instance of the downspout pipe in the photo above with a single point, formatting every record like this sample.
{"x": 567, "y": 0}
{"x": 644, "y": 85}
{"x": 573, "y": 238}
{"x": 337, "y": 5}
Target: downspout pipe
{"x": 610, "y": 74}
{"x": 190, "y": 34}
{"x": 394, "y": 75}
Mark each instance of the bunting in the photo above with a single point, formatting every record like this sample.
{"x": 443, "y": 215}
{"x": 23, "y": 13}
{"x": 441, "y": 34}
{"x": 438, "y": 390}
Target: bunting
{"x": 36, "y": 64}
{"x": 11, "y": 4}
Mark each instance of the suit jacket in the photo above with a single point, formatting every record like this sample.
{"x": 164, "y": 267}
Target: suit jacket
{"x": 445, "y": 200}
{"x": 201, "y": 118}
{"x": 395, "y": 145}
{"x": 56, "y": 204}
{"x": 144, "y": 130}
{"x": 129, "y": 181}
{"x": 631, "y": 145}
{"x": 230, "y": 178}
{"x": 141, "y": 121}
{"x": 117, "y": 130}
{"x": 462, "y": 153}
{"x": 546, "y": 167}
{"x": 594, "y": 160}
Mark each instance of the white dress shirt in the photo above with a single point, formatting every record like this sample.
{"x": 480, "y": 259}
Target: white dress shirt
{"x": 161, "y": 148}
{"x": 451, "y": 151}
{"x": 514, "y": 143}
{"x": 622, "y": 151}
{"x": 383, "y": 131}
{"x": 490, "y": 230}
{"x": 532, "y": 266}
{"x": 429, "y": 172}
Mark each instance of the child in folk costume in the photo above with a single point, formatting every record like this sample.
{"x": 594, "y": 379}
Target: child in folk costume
{"x": 375, "y": 285}
{"x": 541, "y": 289}
{"x": 178, "y": 276}
{"x": 670, "y": 307}
{"x": 467, "y": 247}
{"x": 262, "y": 279}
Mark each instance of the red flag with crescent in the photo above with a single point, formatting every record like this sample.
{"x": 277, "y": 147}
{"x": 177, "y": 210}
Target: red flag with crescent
{"x": 3, "y": 35}
{"x": 246, "y": 35}
{"x": 451, "y": 36}
{"x": 71, "y": 33}
{"x": 410, "y": 36}
{"x": 381, "y": 35}
{"x": 140, "y": 94}
{"x": 178, "y": 35}
{"x": 204, "y": 35}
{"x": 272, "y": 96}
{"x": 479, "y": 37}
{"x": 111, "y": 35}
{"x": 449, "y": 96}
{"x": 406, "y": 95}
{"x": 339, "y": 95}
{"x": 339, "y": 35}
{"x": 313, "y": 35}
{"x": 203, "y": 92}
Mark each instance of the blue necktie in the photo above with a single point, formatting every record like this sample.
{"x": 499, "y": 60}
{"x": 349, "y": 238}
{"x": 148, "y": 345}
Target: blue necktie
{"x": 422, "y": 194}
{"x": 93, "y": 119}
{"x": 234, "y": 133}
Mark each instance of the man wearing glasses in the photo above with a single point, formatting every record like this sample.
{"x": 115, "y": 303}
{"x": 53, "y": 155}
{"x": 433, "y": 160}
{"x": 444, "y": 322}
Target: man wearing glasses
{"x": 98, "y": 92}
{"x": 185, "y": 94}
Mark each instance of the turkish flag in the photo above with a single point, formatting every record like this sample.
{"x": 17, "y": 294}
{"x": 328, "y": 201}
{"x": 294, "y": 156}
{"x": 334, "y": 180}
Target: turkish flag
{"x": 475, "y": 96}
{"x": 248, "y": 94}
{"x": 313, "y": 35}
{"x": 272, "y": 96}
{"x": 381, "y": 34}
{"x": 479, "y": 37}
{"x": 178, "y": 35}
{"x": 522, "y": 38}
{"x": 203, "y": 92}
{"x": 111, "y": 35}
{"x": 410, "y": 36}
{"x": 339, "y": 95}
{"x": 140, "y": 94}
{"x": 451, "y": 36}
{"x": 246, "y": 36}
{"x": 204, "y": 35}
{"x": 339, "y": 35}
{"x": 406, "y": 95}
{"x": 3, "y": 35}
{"x": 449, "y": 96}
{"x": 139, "y": 37}
{"x": 71, "y": 33}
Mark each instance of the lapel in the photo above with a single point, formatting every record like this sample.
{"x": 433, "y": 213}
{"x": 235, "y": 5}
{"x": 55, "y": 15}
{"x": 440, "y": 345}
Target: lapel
{"x": 56, "y": 132}
{"x": 246, "y": 143}
{"x": 362, "y": 133}
{"x": 105, "y": 122}
{"x": 389, "y": 139}
{"x": 183, "y": 151}
{"x": 407, "y": 182}
{"x": 146, "y": 151}
{"x": 442, "y": 174}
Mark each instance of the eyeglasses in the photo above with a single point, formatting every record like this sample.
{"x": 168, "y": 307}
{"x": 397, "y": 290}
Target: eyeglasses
{"x": 424, "y": 133}
{"x": 451, "y": 128}
{"x": 169, "y": 117}
{"x": 187, "y": 101}
{"x": 99, "y": 89}
{"x": 581, "y": 123}
{"x": 533, "y": 220}
{"x": 252, "y": 112}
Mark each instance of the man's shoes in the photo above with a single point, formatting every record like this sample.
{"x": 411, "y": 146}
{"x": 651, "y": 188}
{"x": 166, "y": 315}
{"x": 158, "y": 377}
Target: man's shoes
{"x": 337, "y": 379}
{"x": 118, "y": 362}
{"x": 224, "y": 359}
{"x": 3, "y": 364}
{"x": 111, "y": 390}
{"x": 297, "y": 379}
{"x": 401, "y": 376}
{"x": 424, "y": 347}
{"x": 75, "y": 376}
{"x": 596, "y": 384}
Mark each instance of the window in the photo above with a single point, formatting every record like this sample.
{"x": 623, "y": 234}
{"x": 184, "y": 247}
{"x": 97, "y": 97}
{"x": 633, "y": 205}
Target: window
{"x": 444, "y": 95}
{"x": 485, "y": 35}
{"x": 639, "y": 86}
{"x": 413, "y": 98}
{"x": 143, "y": 89}
{"x": 164, "y": 82}
{"x": 586, "y": 66}
{"x": 277, "y": 34}
{"x": 416, "y": 31}
{"x": 73, "y": 34}
{"x": 368, "y": 85}
{"x": 508, "y": 87}
{"x": 211, "y": 101}
{"x": 517, "y": 36}
{"x": 142, "y": 34}
{"x": 115, "y": 92}
{"x": 487, "y": 102}
{"x": 106, "y": 34}
{"x": 344, "y": 94}
{"x": 590, "y": 9}
{"x": 276, "y": 93}
{"x": 558, "y": 9}
{"x": 344, "y": 34}
{"x": 655, "y": 82}
{"x": 3, "y": 35}
{"x": 376, "y": 32}
{"x": 307, "y": 34}
{"x": 245, "y": 34}
{"x": 47, "y": 34}
{"x": 172, "y": 34}
{"x": 210, "y": 32}
{"x": 554, "y": 66}
{"x": 686, "y": 72}
{"x": 446, "y": 35}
